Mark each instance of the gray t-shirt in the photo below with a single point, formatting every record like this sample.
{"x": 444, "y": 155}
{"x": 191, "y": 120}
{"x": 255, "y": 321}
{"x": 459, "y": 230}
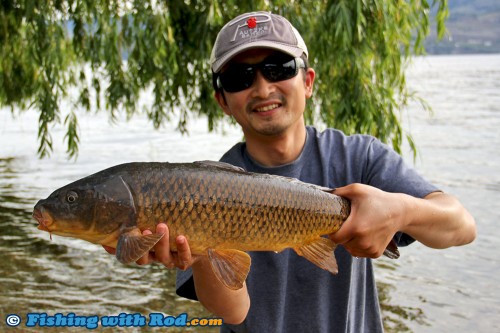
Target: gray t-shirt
{"x": 287, "y": 292}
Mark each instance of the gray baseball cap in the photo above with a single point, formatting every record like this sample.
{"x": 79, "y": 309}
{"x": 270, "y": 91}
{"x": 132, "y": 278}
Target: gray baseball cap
{"x": 252, "y": 30}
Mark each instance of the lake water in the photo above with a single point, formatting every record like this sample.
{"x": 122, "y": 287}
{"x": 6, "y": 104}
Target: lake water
{"x": 424, "y": 291}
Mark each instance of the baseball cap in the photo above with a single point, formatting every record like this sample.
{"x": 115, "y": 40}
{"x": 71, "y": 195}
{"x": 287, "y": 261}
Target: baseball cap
{"x": 256, "y": 29}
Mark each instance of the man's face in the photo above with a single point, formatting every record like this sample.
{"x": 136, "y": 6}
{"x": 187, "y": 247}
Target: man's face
{"x": 267, "y": 108}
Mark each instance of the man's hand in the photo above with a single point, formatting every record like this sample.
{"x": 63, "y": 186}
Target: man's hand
{"x": 182, "y": 259}
{"x": 375, "y": 218}
{"x": 231, "y": 305}
{"x": 438, "y": 220}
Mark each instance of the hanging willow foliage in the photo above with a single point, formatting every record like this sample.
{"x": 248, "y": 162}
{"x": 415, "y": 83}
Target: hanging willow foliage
{"x": 359, "y": 49}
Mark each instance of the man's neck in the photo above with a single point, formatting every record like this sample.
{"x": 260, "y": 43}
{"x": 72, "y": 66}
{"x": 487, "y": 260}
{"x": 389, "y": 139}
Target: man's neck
{"x": 277, "y": 150}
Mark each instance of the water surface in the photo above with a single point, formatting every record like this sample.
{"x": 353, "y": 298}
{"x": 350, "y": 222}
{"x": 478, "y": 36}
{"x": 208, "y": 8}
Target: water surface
{"x": 424, "y": 291}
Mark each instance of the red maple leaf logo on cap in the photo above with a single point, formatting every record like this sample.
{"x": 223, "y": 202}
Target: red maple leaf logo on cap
{"x": 252, "y": 22}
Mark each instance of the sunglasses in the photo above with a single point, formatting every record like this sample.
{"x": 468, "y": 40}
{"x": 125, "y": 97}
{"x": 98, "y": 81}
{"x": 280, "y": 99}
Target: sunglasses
{"x": 240, "y": 76}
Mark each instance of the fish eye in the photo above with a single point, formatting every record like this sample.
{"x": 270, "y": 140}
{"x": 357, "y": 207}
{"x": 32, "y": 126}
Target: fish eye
{"x": 71, "y": 196}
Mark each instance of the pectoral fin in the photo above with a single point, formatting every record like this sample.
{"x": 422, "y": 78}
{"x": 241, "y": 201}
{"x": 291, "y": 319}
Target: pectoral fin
{"x": 320, "y": 252}
{"x": 230, "y": 266}
{"x": 132, "y": 245}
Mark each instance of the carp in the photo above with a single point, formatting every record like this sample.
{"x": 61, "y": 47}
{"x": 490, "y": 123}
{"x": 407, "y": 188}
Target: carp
{"x": 221, "y": 209}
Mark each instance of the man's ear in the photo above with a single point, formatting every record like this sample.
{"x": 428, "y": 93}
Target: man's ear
{"x": 309, "y": 82}
{"x": 221, "y": 100}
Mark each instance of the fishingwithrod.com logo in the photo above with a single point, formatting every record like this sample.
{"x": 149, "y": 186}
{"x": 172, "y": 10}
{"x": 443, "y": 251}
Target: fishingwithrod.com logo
{"x": 121, "y": 320}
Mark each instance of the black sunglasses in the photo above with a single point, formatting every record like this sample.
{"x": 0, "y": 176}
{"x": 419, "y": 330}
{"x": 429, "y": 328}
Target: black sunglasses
{"x": 240, "y": 76}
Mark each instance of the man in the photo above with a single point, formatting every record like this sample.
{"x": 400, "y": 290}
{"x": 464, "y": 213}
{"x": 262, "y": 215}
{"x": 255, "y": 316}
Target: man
{"x": 261, "y": 77}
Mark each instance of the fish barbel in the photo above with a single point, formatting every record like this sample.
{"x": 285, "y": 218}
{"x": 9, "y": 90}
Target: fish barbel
{"x": 221, "y": 209}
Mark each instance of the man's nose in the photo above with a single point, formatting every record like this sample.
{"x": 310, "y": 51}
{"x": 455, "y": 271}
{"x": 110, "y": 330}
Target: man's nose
{"x": 262, "y": 87}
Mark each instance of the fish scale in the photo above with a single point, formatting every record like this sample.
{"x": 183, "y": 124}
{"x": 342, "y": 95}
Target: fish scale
{"x": 264, "y": 213}
{"x": 221, "y": 209}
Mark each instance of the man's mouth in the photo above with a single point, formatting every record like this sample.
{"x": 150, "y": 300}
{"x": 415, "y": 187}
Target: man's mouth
{"x": 267, "y": 108}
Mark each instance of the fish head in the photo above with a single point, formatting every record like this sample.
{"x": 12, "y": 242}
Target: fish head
{"x": 92, "y": 208}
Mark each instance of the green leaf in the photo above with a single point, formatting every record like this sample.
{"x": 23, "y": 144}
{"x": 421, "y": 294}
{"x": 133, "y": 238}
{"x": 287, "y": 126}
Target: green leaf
{"x": 111, "y": 53}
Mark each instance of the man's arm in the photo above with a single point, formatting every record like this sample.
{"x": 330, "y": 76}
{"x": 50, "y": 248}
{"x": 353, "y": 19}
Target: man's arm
{"x": 439, "y": 220}
{"x": 231, "y": 305}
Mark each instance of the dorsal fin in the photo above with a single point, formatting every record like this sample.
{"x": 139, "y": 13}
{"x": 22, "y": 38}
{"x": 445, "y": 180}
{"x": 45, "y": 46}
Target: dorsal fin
{"x": 220, "y": 165}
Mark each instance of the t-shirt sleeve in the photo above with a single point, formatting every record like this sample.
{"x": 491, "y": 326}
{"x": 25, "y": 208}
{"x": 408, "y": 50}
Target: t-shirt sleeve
{"x": 386, "y": 170}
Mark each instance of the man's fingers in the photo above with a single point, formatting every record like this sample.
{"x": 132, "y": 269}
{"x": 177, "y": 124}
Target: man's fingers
{"x": 349, "y": 191}
{"x": 184, "y": 258}
{"x": 147, "y": 258}
{"x": 162, "y": 248}
{"x": 341, "y": 191}
{"x": 344, "y": 234}
{"x": 340, "y": 238}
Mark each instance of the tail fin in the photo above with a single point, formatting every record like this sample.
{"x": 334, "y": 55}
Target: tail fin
{"x": 391, "y": 250}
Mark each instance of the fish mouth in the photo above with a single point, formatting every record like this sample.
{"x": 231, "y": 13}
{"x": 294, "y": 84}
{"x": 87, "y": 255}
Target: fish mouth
{"x": 43, "y": 218}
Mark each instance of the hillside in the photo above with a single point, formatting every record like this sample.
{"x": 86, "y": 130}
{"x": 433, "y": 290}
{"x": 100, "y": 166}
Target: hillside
{"x": 473, "y": 27}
